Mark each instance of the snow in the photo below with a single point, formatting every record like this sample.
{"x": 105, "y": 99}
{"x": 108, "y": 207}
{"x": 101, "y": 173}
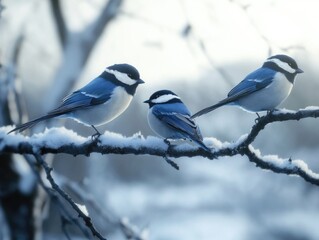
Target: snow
{"x": 52, "y": 138}
{"x": 304, "y": 167}
{"x": 143, "y": 234}
{"x": 83, "y": 209}
{"x": 135, "y": 141}
{"x": 311, "y": 108}
{"x": 285, "y": 163}
{"x": 283, "y": 111}
{"x": 9, "y": 139}
{"x": 58, "y": 137}
{"x": 218, "y": 145}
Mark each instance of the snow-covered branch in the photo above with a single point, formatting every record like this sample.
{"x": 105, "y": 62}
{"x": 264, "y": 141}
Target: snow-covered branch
{"x": 280, "y": 116}
{"x": 61, "y": 140}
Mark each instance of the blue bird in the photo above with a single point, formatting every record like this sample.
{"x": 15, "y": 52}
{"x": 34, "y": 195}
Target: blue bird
{"x": 98, "y": 102}
{"x": 169, "y": 118}
{"x": 263, "y": 89}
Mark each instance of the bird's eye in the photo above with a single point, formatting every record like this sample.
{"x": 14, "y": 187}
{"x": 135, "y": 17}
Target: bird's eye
{"x": 130, "y": 75}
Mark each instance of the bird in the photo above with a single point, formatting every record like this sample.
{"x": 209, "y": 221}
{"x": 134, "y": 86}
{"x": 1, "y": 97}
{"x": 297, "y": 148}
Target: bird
{"x": 99, "y": 102}
{"x": 169, "y": 118}
{"x": 264, "y": 89}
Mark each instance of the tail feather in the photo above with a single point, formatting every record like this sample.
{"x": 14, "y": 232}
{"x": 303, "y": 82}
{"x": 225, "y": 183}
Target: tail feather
{"x": 30, "y": 124}
{"x": 211, "y": 108}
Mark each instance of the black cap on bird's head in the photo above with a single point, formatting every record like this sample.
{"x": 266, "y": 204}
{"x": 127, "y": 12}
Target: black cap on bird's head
{"x": 284, "y": 64}
{"x": 127, "y": 69}
{"x": 124, "y": 75}
{"x": 162, "y": 97}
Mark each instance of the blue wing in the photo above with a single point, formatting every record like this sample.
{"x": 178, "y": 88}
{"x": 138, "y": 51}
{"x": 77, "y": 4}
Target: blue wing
{"x": 96, "y": 92}
{"x": 255, "y": 81}
{"x": 177, "y": 116}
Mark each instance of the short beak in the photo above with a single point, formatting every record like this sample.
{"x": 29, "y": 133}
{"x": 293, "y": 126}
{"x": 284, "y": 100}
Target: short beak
{"x": 140, "y": 81}
{"x": 147, "y": 101}
{"x": 298, "y": 70}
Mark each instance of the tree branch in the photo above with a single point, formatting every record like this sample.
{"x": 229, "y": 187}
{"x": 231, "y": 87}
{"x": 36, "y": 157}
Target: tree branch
{"x": 279, "y": 165}
{"x": 130, "y": 230}
{"x": 65, "y": 214}
{"x": 59, "y": 21}
{"x": 279, "y": 116}
{"x": 56, "y": 187}
{"x": 108, "y": 13}
{"x": 60, "y": 140}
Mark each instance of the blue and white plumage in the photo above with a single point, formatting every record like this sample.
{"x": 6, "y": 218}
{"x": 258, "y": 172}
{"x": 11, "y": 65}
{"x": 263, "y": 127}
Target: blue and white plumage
{"x": 263, "y": 89}
{"x": 169, "y": 118}
{"x": 98, "y": 102}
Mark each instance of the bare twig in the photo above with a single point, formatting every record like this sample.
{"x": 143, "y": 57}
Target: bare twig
{"x": 129, "y": 230}
{"x": 65, "y": 214}
{"x": 87, "y": 220}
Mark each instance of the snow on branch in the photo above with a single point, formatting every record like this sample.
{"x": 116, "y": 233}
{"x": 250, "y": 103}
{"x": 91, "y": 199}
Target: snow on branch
{"x": 280, "y": 165}
{"x": 61, "y": 140}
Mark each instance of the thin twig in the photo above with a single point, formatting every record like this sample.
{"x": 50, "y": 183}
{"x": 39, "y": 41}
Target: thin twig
{"x": 65, "y": 214}
{"x": 87, "y": 220}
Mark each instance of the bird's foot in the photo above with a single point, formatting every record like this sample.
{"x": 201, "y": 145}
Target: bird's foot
{"x": 169, "y": 161}
{"x": 168, "y": 143}
{"x": 96, "y": 135}
{"x": 258, "y": 118}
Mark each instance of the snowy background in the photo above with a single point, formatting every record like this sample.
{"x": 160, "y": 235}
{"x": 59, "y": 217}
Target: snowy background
{"x": 225, "y": 199}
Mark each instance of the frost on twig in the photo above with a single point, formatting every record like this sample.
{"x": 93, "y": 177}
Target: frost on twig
{"x": 61, "y": 140}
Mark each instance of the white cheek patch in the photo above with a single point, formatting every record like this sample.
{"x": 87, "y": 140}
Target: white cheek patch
{"x": 122, "y": 77}
{"x": 165, "y": 98}
{"x": 285, "y": 66}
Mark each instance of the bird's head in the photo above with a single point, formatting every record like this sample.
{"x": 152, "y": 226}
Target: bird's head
{"x": 126, "y": 75}
{"x": 284, "y": 64}
{"x": 162, "y": 97}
